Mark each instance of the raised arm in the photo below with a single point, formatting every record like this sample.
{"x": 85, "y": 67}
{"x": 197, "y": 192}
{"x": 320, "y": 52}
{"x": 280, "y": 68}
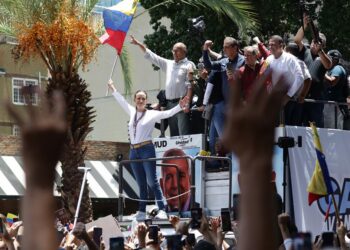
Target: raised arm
{"x": 264, "y": 52}
{"x": 252, "y": 142}
{"x": 138, "y": 43}
{"x": 120, "y": 99}
{"x": 149, "y": 55}
{"x": 183, "y": 103}
{"x": 299, "y": 36}
{"x": 43, "y": 133}
{"x": 206, "y": 60}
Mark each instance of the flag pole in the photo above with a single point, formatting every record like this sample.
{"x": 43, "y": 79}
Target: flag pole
{"x": 110, "y": 76}
{"x": 335, "y": 208}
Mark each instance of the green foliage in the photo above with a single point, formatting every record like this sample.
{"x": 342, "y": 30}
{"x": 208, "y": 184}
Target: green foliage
{"x": 334, "y": 23}
{"x": 279, "y": 17}
{"x": 222, "y": 18}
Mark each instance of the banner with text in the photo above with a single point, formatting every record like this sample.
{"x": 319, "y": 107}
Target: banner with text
{"x": 178, "y": 146}
{"x": 336, "y": 148}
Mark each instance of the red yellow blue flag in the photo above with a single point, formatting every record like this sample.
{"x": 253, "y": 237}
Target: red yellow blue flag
{"x": 117, "y": 20}
{"x": 320, "y": 183}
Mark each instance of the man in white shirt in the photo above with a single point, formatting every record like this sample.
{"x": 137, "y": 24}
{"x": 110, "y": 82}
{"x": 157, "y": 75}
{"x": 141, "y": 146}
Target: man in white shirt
{"x": 179, "y": 76}
{"x": 285, "y": 65}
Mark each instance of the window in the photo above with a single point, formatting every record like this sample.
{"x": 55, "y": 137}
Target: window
{"x": 16, "y": 130}
{"x": 17, "y": 96}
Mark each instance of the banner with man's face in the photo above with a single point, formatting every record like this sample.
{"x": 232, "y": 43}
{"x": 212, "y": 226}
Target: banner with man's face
{"x": 167, "y": 174}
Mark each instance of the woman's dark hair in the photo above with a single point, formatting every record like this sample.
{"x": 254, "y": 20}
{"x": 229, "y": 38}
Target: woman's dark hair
{"x": 138, "y": 91}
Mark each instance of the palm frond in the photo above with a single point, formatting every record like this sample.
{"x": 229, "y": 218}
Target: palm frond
{"x": 6, "y": 29}
{"x": 242, "y": 13}
{"x": 125, "y": 64}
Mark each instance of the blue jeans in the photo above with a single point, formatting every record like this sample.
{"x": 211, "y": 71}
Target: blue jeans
{"x": 216, "y": 124}
{"x": 145, "y": 173}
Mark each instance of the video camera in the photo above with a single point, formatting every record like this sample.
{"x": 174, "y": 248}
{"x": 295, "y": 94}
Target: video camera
{"x": 196, "y": 25}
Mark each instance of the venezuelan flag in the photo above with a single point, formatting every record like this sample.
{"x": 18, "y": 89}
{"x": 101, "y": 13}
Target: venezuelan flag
{"x": 320, "y": 183}
{"x": 117, "y": 20}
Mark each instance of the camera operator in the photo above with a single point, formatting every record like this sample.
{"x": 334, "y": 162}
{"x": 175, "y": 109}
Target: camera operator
{"x": 317, "y": 63}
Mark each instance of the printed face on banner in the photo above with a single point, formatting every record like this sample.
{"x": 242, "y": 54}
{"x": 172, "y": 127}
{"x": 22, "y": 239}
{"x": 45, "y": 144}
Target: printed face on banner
{"x": 170, "y": 183}
{"x": 172, "y": 147}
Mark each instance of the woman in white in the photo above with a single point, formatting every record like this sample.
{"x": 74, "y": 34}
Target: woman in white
{"x": 141, "y": 125}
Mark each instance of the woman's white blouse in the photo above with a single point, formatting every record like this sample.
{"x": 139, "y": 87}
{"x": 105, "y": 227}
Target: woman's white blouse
{"x": 145, "y": 126}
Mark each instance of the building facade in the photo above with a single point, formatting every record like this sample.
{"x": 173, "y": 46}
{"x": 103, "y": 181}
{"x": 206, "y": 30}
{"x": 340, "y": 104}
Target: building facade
{"x": 13, "y": 76}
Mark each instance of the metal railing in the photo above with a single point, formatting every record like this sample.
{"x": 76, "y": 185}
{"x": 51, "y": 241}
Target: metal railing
{"x": 121, "y": 180}
{"x": 337, "y": 109}
{"x": 192, "y": 181}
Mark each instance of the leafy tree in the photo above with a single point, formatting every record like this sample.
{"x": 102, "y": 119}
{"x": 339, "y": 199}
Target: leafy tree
{"x": 333, "y": 21}
{"x": 60, "y": 33}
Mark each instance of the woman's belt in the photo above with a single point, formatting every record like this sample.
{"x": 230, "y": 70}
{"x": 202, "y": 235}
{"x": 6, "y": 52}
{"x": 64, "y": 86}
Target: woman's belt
{"x": 139, "y": 145}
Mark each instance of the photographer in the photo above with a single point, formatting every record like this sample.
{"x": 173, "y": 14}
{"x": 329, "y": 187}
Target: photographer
{"x": 317, "y": 63}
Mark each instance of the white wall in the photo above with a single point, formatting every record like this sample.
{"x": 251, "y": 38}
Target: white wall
{"x": 111, "y": 121}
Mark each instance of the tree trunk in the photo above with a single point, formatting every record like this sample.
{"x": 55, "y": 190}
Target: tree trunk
{"x": 79, "y": 117}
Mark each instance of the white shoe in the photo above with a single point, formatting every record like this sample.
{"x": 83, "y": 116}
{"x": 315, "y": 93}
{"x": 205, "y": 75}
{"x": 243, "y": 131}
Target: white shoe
{"x": 162, "y": 215}
{"x": 139, "y": 216}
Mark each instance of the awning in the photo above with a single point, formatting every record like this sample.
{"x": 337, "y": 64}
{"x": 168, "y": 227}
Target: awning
{"x": 102, "y": 179}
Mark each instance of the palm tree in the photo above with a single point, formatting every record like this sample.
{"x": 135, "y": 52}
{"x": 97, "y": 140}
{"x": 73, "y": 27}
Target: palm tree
{"x": 62, "y": 34}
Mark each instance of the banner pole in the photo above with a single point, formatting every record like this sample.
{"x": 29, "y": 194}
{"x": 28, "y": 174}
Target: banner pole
{"x": 110, "y": 76}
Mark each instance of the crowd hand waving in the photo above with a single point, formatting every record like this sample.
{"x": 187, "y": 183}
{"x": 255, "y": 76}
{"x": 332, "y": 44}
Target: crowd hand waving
{"x": 341, "y": 232}
{"x": 141, "y": 234}
{"x": 174, "y": 220}
{"x": 215, "y": 224}
{"x": 43, "y": 132}
{"x": 111, "y": 86}
{"x": 242, "y": 119}
{"x": 249, "y": 133}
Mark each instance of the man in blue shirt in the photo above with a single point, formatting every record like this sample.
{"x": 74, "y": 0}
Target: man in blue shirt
{"x": 226, "y": 65}
{"x": 336, "y": 90}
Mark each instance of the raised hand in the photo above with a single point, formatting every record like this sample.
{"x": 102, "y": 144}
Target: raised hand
{"x": 256, "y": 40}
{"x": 43, "y": 131}
{"x": 207, "y": 44}
{"x": 255, "y": 119}
{"x": 134, "y": 41}
{"x": 174, "y": 220}
{"x": 111, "y": 85}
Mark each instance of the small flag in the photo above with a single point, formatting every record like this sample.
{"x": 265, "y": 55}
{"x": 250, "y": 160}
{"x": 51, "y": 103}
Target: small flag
{"x": 320, "y": 183}
{"x": 11, "y": 218}
{"x": 117, "y": 20}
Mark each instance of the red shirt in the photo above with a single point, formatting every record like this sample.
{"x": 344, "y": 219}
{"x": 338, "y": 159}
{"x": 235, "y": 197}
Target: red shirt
{"x": 248, "y": 77}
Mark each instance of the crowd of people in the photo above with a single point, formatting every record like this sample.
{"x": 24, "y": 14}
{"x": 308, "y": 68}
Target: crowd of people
{"x": 244, "y": 94}
{"x": 312, "y": 73}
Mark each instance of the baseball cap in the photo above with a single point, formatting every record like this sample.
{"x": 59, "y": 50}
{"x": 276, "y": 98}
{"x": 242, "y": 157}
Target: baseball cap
{"x": 334, "y": 54}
